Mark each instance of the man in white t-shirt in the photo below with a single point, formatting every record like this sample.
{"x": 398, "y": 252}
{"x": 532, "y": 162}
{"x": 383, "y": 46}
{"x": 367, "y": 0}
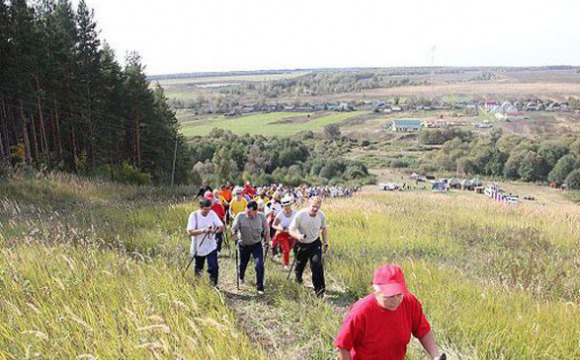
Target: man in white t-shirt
{"x": 202, "y": 226}
{"x": 306, "y": 227}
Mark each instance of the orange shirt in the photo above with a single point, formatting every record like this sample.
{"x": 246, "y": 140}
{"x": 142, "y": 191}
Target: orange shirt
{"x": 226, "y": 194}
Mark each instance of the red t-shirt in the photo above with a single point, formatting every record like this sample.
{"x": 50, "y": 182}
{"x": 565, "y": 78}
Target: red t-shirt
{"x": 249, "y": 190}
{"x": 371, "y": 332}
{"x": 219, "y": 210}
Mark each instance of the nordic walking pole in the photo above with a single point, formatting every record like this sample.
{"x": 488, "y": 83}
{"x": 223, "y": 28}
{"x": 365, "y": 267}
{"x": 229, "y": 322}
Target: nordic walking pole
{"x": 195, "y": 252}
{"x": 237, "y": 265}
{"x": 291, "y": 267}
{"x": 293, "y": 263}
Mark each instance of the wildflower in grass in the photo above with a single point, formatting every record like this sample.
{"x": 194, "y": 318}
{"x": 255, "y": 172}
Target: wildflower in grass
{"x": 38, "y": 334}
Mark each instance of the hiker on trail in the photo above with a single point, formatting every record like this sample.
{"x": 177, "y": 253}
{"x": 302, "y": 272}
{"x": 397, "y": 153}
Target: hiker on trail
{"x": 262, "y": 195}
{"x": 248, "y": 228}
{"x": 379, "y": 326}
{"x": 306, "y": 227}
{"x": 261, "y": 205}
{"x": 281, "y": 224}
{"x": 238, "y": 203}
{"x": 220, "y": 211}
{"x": 203, "y": 189}
{"x": 249, "y": 191}
{"x": 226, "y": 193}
{"x": 202, "y": 226}
{"x": 273, "y": 207}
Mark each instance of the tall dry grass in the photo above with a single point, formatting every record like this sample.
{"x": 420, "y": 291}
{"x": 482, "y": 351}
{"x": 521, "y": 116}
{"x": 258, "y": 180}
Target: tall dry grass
{"x": 93, "y": 272}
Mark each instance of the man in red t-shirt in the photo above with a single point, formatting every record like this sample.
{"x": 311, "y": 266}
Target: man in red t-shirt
{"x": 220, "y": 211}
{"x": 379, "y": 326}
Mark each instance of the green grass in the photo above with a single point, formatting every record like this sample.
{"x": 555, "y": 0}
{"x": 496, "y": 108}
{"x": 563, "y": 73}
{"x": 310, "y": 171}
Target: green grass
{"x": 95, "y": 272}
{"x": 79, "y": 302}
{"x": 265, "y": 124}
{"x": 455, "y": 98}
{"x": 495, "y": 280}
{"x": 573, "y": 195}
{"x": 228, "y": 79}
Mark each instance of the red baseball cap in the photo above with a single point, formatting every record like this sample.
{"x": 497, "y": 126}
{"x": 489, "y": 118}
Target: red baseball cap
{"x": 390, "y": 280}
{"x": 208, "y": 195}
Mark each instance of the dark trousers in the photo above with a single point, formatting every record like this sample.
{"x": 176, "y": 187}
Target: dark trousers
{"x": 312, "y": 252}
{"x": 257, "y": 253}
{"x": 212, "y": 266}
{"x": 219, "y": 237}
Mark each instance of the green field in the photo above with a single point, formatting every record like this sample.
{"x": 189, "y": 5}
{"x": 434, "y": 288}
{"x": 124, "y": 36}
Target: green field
{"x": 91, "y": 270}
{"x": 228, "y": 79}
{"x": 266, "y": 124}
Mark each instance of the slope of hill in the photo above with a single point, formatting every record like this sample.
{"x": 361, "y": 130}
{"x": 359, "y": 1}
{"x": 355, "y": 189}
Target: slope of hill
{"x": 91, "y": 270}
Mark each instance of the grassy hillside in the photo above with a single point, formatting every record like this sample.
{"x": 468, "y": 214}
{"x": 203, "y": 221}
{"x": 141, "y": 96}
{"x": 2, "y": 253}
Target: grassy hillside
{"x": 91, "y": 270}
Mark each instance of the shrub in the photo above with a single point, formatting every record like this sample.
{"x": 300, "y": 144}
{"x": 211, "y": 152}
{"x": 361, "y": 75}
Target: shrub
{"x": 128, "y": 174}
{"x": 573, "y": 180}
{"x": 563, "y": 168}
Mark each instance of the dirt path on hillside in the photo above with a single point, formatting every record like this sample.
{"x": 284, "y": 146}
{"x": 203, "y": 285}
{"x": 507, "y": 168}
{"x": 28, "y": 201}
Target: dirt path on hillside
{"x": 279, "y": 333}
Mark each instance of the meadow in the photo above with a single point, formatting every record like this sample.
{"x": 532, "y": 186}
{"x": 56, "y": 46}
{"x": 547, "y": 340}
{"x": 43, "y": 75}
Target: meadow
{"x": 92, "y": 270}
{"x": 269, "y": 124}
{"x": 198, "y": 80}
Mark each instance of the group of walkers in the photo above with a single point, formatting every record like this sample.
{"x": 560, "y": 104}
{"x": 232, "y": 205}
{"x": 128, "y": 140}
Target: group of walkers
{"x": 260, "y": 219}
{"x": 378, "y": 326}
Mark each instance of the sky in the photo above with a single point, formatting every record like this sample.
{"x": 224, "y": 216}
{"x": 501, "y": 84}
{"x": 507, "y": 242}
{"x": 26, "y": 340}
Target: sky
{"x": 183, "y": 36}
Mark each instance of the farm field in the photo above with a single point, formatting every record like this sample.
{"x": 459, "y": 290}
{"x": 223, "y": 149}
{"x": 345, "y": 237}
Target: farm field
{"x": 98, "y": 266}
{"x": 197, "y": 80}
{"x": 468, "y": 90}
{"x": 270, "y": 124}
{"x": 464, "y": 85}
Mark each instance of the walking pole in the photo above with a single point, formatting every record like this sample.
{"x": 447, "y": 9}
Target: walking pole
{"x": 266, "y": 249}
{"x": 237, "y": 266}
{"x": 293, "y": 262}
{"x": 291, "y": 267}
{"x": 193, "y": 256}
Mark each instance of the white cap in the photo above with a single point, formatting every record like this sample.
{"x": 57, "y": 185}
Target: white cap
{"x": 287, "y": 200}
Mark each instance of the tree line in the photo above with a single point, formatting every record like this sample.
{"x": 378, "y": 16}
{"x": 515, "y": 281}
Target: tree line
{"x": 224, "y": 156}
{"x": 504, "y": 155}
{"x": 67, "y": 104}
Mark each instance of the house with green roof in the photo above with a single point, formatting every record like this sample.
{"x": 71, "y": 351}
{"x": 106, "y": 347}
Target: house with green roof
{"x": 406, "y": 125}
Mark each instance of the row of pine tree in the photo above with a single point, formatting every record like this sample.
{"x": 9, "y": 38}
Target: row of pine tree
{"x": 66, "y": 102}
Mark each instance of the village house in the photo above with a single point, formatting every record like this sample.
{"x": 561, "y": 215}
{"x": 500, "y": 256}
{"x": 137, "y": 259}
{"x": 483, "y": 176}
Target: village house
{"x": 406, "y": 125}
{"x": 490, "y": 105}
